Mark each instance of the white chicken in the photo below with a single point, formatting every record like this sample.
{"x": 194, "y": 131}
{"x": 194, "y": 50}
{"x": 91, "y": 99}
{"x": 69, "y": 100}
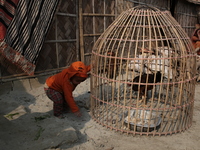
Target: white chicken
{"x": 158, "y": 63}
{"x": 136, "y": 63}
{"x": 153, "y": 62}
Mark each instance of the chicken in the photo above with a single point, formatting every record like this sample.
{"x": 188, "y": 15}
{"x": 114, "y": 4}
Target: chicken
{"x": 135, "y": 64}
{"x": 110, "y": 63}
{"x": 159, "y": 64}
{"x": 145, "y": 78}
{"x": 148, "y": 61}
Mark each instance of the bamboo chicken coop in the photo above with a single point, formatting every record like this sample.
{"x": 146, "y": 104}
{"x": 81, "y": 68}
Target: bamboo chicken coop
{"x": 143, "y": 74}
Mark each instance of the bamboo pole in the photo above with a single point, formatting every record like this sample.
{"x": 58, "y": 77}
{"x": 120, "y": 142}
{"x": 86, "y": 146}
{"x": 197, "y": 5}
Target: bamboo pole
{"x": 97, "y": 15}
{"x": 60, "y": 41}
{"x": 104, "y": 12}
{"x": 116, "y": 3}
{"x": 25, "y": 76}
{"x": 56, "y": 34}
{"x": 81, "y": 30}
{"x": 66, "y": 14}
{"x": 77, "y": 32}
{"x": 93, "y": 21}
{"x": 96, "y": 34}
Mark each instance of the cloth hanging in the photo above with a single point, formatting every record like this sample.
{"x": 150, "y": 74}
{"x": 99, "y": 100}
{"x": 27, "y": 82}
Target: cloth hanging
{"x": 26, "y": 33}
{"x": 7, "y": 11}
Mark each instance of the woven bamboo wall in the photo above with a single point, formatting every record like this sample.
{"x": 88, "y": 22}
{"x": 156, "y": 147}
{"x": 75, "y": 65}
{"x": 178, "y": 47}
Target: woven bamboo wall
{"x": 60, "y": 48}
{"x": 77, "y": 25}
{"x": 97, "y": 16}
{"x": 186, "y": 15}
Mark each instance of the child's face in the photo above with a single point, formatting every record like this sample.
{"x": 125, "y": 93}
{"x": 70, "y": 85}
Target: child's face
{"x": 77, "y": 80}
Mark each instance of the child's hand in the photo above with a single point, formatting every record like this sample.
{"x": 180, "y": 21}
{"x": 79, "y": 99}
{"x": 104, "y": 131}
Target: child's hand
{"x": 78, "y": 114}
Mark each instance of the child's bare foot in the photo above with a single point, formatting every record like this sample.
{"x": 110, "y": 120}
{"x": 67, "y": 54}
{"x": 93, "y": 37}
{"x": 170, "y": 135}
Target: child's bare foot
{"x": 78, "y": 114}
{"x": 61, "y": 116}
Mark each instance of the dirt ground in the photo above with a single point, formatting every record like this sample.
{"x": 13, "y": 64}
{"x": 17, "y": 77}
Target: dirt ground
{"x": 27, "y": 123}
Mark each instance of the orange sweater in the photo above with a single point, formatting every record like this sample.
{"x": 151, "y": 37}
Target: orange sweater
{"x": 61, "y": 82}
{"x": 196, "y": 38}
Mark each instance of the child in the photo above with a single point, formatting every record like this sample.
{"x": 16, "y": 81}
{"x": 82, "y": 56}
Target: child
{"x": 196, "y": 39}
{"x": 59, "y": 88}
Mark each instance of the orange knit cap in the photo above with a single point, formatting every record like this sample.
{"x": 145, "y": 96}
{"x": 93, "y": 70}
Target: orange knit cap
{"x": 79, "y": 69}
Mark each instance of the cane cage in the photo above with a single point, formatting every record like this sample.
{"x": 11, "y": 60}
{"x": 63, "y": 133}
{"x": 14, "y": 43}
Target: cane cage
{"x": 143, "y": 74}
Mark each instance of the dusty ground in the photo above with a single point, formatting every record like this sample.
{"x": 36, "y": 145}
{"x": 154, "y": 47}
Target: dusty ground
{"x": 32, "y": 127}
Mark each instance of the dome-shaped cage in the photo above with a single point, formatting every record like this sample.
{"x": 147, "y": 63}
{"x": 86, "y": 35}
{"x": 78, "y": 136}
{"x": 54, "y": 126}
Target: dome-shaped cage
{"x": 143, "y": 74}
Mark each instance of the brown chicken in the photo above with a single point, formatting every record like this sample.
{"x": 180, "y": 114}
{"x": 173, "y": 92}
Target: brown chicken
{"x": 142, "y": 88}
{"x": 111, "y": 67}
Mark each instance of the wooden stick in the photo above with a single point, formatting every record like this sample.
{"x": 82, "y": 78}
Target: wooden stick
{"x": 77, "y": 32}
{"x": 81, "y": 30}
{"x": 96, "y": 34}
{"x": 98, "y": 15}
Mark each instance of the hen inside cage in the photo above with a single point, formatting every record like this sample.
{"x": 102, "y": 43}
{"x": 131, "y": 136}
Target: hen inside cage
{"x": 143, "y": 74}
